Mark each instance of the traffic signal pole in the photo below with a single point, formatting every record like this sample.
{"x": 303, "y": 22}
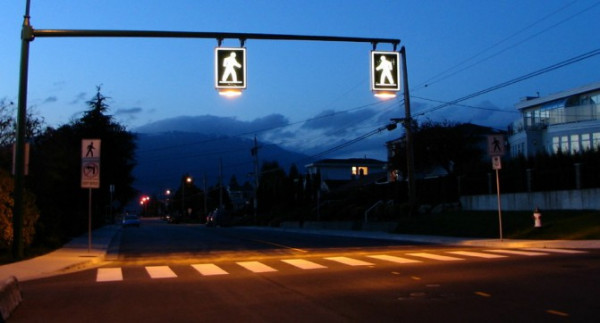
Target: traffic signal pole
{"x": 29, "y": 34}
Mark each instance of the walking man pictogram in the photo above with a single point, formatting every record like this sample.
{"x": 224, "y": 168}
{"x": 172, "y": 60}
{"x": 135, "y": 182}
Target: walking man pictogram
{"x": 90, "y": 150}
{"x": 230, "y": 64}
{"x": 386, "y": 68}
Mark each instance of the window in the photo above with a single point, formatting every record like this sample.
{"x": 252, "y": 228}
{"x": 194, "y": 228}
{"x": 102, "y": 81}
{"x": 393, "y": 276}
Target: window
{"x": 585, "y": 142}
{"x": 575, "y": 144}
{"x": 564, "y": 144}
{"x": 555, "y": 144}
{"x": 360, "y": 170}
{"x": 596, "y": 140}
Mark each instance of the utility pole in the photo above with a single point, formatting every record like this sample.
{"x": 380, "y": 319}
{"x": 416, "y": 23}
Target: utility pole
{"x": 410, "y": 162}
{"x": 254, "y": 152}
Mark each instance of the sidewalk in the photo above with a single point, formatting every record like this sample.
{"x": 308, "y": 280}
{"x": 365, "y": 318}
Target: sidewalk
{"x": 74, "y": 254}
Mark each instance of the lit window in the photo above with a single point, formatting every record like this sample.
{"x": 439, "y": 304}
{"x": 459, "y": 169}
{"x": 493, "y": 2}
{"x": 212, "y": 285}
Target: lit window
{"x": 360, "y": 170}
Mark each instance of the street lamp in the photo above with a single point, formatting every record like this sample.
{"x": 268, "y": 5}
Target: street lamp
{"x": 186, "y": 180}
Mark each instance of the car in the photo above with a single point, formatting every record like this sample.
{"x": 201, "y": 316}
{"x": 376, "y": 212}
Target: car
{"x": 218, "y": 218}
{"x": 131, "y": 220}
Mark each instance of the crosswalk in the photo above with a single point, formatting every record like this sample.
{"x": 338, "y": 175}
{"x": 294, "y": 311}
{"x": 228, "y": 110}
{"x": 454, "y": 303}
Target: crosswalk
{"x": 113, "y": 274}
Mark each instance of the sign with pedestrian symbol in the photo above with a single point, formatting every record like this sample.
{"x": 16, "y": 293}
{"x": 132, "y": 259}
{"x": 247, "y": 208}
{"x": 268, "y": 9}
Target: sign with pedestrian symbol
{"x": 496, "y": 145}
{"x": 230, "y": 68}
{"x": 90, "y": 163}
{"x": 385, "y": 73}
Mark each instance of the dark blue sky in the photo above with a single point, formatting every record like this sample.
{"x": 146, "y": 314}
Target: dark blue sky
{"x": 454, "y": 48}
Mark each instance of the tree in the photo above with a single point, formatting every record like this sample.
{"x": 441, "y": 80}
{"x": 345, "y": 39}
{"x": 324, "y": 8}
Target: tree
{"x": 30, "y": 216}
{"x": 56, "y": 171}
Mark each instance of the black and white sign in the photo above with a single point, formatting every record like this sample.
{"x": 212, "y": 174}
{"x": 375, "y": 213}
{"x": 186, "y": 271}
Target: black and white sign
{"x": 230, "y": 68}
{"x": 385, "y": 71}
{"x": 495, "y": 145}
{"x": 90, "y": 163}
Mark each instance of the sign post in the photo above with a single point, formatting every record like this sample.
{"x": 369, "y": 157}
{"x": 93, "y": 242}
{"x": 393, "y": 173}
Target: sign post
{"x": 496, "y": 150}
{"x": 90, "y": 175}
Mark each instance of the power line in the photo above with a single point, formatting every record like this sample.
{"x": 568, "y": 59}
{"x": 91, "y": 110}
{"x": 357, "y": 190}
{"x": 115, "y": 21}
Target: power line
{"x": 515, "y": 80}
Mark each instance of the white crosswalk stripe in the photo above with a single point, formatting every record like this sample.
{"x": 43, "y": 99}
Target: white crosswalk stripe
{"x": 209, "y": 269}
{"x": 158, "y": 272}
{"x": 109, "y": 274}
{"x": 256, "y": 267}
{"x": 398, "y": 260}
{"x": 349, "y": 261}
{"x": 570, "y": 251}
{"x": 434, "y": 256}
{"x": 303, "y": 264}
{"x": 477, "y": 254}
{"x": 518, "y": 252}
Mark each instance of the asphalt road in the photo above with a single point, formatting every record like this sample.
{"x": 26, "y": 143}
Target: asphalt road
{"x": 182, "y": 273}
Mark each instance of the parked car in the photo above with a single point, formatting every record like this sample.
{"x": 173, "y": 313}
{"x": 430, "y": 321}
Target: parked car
{"x": 218, "y": 218}
{"x": 131, "y": 220}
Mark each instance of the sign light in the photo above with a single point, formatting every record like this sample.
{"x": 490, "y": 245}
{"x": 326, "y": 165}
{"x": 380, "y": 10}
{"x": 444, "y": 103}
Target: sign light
{"x": 385, "y": 72}
{"x": 230, "y": 69}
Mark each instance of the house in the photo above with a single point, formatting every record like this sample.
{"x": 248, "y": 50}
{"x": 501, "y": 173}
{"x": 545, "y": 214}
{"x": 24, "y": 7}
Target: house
{"x": 568, "y": 121}
{"x": 345, "y": 170}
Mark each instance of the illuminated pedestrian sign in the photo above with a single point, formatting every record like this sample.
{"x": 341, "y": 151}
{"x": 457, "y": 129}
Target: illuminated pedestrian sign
{"x": 230, "y": 68}
{"x": 90, "y": 163}
{"x": 385, "y": 71}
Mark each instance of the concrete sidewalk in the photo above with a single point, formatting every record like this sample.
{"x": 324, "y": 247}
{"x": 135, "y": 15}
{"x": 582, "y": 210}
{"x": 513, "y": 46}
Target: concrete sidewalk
{"x": 75, "y": 254}
{"x": 72, "y": 255}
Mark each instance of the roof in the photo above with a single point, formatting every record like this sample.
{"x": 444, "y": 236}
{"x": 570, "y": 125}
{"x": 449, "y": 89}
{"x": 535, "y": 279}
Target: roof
{"x": 346, "y": 162}
{"x": 556, "y": 96}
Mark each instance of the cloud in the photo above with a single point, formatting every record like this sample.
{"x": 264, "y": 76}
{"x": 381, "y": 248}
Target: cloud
{"x": 130, "y": 111}
{"x": 50, "y": 99}
{"x": 81, "y": 97}
{"x": 214, "y": 125}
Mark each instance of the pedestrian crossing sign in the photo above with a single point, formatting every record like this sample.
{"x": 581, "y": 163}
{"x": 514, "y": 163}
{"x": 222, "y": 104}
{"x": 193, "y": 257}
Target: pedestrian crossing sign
{"x": 230, "y": 68}
{"x": 385, "y": 71}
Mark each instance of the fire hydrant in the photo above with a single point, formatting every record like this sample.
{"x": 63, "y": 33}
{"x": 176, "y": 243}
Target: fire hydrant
{"x": 537, "y": 218}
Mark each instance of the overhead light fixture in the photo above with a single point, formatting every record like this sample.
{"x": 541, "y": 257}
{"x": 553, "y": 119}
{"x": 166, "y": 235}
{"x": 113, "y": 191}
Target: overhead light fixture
{"x": 384, "y": 94}
{"x": 230, "y": 93}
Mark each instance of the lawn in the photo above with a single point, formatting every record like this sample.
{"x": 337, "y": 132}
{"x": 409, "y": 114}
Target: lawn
{"x": 563, "y": 224}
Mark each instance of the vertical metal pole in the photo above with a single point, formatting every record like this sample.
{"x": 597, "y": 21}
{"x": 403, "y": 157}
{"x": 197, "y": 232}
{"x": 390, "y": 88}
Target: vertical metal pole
{"x": 410, "y": 163}
{"x": 499, "y": 203}
{"x": 89, "y": 220}
{"x": 18, "y": 208}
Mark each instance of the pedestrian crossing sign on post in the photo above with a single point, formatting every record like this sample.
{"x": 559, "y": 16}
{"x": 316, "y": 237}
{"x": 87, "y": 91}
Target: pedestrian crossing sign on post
{"x": 90, "y": 163}
{"x": 230, "y": 68}
{"x": 385, "y": 71}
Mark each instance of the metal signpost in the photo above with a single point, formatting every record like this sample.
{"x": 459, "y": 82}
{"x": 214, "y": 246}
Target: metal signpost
{"x": 496, "y": 150}
{"x": 90, "y": 175}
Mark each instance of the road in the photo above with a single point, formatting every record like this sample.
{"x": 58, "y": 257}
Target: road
{"x": 190, "y": 273}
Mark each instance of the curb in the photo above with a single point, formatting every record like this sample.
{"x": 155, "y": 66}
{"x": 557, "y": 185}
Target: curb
{"x": 10, "y": 297}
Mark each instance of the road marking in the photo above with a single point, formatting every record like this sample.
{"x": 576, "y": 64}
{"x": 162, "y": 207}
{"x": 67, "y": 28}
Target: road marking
{"x": 557, "y": 250}
{"x": 398, "y": 260}
{"x": 303, "y": 264}
{"x": 559, "y": 313}
{"x": 476, "y": 254}
{"x": 434, "y": 256}
{"x": 483, "y": 294}
{"x": 109, "y": 274}
{"x": 157, "y": 272}
{"x": 349, "y": 261}
{"x": 518, "y": 252}
{"x": 209, "y": 269}
{"x": 256, "y": 267}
